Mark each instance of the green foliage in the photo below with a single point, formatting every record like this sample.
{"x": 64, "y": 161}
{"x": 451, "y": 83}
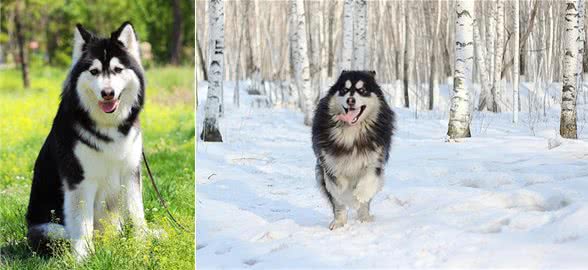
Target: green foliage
{"x": 52, "y": 22}
{"x": 168, "y": 128}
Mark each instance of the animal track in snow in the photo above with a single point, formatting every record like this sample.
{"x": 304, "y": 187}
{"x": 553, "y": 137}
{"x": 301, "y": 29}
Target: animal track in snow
{"x": 250, "y": 262}
{"x": 223, "y": 250}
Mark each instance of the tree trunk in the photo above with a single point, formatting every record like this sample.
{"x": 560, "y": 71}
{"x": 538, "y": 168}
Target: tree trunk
{"x": 202, "y": 61}
{"x": 331, "y": 53}
{"x": 211, "y": 132}
{"x": 406, "y": 60}
{"x": 301, "y": 62}
{"x": 176, "y": 38}
{"x": 568, "y": 128}
{"x": 347, "y": 51}
{"x": 433, "y": 83}
{"x": 360, "y": 21}
{"x": 236, "y": 98}
{"x": 486, "y": 83}
{"x": 516, "y": 69}
{"x": 498, "y": 55}
{"x": 250, "y": 63}
{"x": 523, "y": 43}
{"x": 21, "y": 48}
{"x": 459, "y": 115}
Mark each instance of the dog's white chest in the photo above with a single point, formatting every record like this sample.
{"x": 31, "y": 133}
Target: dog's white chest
{"x": 351, "y": 165}
{"x": 114, "y": 161}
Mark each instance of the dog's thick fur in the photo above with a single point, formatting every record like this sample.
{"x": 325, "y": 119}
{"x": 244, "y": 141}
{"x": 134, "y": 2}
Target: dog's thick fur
{"x": 88, "y": 172}
{"x": 352, "y": 147}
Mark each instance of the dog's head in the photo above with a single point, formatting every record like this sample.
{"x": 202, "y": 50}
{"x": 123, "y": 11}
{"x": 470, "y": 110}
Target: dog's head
{"x": 355, "y": 96}
{"x": 107, "y": 73}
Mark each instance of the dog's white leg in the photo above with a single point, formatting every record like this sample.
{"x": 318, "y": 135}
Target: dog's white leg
{"x": 106, "y": 212}
{"x": 367, "y": 187}
{"x": 134, "y": 210}
{"x": 363, "y": 212}
{"x": 339, "y": 208}
{"x": 340, "y": 214}
{"x": 79, "y": 217}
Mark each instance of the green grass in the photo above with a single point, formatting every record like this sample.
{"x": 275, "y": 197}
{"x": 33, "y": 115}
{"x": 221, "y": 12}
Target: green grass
{"x": 26, "y": 116}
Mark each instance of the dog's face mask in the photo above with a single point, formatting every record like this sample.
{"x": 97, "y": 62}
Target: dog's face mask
{"x": 106, "y": 70}
{"x": 354, "y": 101}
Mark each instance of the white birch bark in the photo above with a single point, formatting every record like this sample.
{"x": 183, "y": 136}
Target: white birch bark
{"x": 497, "y": 90}
{"x": 581, "y": 49}
{"x": 360, "y": 35}
{"x": 301, "y": 62}
{"x": 486, "y": 98}
{"x": 516, "y": 67}
{"x": 324, "y": 60}
{"x": 486, "y": 83}
{"x": 459, "y": 115}
{"x": 347, "y": 49}
{"x": 572, "y": 50}
{"x": 210, "y": 131}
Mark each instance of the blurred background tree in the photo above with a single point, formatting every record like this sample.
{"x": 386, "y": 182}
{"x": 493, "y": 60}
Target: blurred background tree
{"x": 165, "y": 28}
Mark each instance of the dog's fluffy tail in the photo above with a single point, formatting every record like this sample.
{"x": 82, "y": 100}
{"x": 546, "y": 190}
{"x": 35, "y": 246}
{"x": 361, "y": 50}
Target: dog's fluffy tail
{"x": 41, "y": 237}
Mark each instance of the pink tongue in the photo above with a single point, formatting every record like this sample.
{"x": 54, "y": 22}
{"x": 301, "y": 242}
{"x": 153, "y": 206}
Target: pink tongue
{"x": 107, "y": 106}
{"x": 348, "y": 117}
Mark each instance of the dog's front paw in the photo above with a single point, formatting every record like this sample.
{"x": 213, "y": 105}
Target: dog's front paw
{"x": 366, "y": 218}
{"x": 335, "y": 224}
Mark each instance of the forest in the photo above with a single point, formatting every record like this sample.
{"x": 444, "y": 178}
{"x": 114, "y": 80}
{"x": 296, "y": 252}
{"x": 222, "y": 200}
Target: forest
{"x": 487, "y": 163}
{"x": 411, "y": 45}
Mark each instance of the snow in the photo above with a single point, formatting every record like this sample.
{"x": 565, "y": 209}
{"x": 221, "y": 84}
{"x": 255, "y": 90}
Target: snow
{"x": 507, "y": 197}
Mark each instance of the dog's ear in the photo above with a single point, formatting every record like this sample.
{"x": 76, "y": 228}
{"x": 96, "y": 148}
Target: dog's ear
{"x": 372, "y": 73}
{"x": 344, "y": 71}
{"x": 81, "y": 37}
{"x": 126, "y": 35}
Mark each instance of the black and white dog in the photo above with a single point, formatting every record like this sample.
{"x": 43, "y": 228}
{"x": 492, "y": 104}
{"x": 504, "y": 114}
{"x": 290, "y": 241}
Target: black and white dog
{"x": 88, "y": 172}
{"x": 351, "y": 135}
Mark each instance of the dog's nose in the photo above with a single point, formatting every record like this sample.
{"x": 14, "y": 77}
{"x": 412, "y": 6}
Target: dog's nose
{"x": 351, "y": 101}
{"x": 107, "y": 93}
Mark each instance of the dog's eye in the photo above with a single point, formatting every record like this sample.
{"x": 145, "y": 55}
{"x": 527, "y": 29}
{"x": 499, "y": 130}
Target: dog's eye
{"x": 361, "y": 91}
{"x": 342, "y": 92}
{"x": 94, "y": 71}
{"x": 118, "y": 70}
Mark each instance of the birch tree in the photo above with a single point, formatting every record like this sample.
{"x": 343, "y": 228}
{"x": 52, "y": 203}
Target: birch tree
{"x": 516, "y": 67}
{"x": 347, "y": 33}
{"x": 300, "y": 57}
{"x": 486, "y": 98}
{"x": 459, "y": 114}
{"x": 406, "y": 38}
{"x": 498, "y": 55}
{"x": 211, "y": 132}
{"x": 572, "y": 51}
{"x": 360, "y": 35}
{"x": 434, "y": 34}
{"x": 485, "y": 82}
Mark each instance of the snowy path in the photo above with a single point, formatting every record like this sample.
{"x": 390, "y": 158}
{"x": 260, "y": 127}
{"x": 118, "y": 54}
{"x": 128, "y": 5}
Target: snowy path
{"x": 501, "y": 199}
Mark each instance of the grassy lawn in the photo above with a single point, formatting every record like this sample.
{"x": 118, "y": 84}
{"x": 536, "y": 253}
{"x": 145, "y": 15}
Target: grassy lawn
{"x": 168, "y": 128}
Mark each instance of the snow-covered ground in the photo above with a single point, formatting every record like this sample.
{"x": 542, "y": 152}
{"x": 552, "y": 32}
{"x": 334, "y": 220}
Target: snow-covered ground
{"x": 502, "y": 198}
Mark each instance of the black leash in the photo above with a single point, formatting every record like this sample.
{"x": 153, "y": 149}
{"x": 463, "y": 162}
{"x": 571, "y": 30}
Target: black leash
{"x": 161, "y": 200}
